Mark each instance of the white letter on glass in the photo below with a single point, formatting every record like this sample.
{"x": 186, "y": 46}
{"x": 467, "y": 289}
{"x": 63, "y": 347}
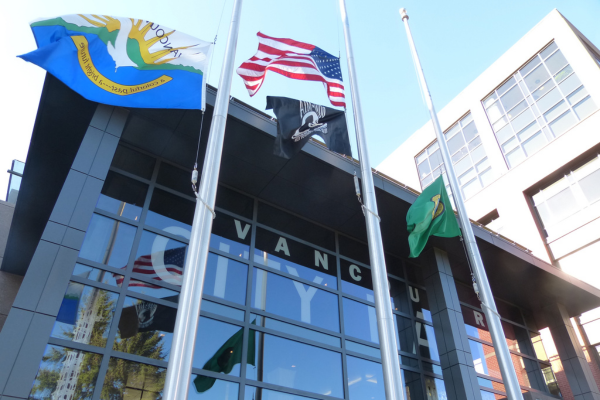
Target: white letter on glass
{"x": 241, "y": 232}
{"x": 353, "y": 270}
{"x": 321, "y": 259}
{"x": 305, "y": 295}
{"x": 422, "y": 342}
{"x": 478, "y": 318}
{"x": 282, "y": 246}
{"x": 414, "y": 294}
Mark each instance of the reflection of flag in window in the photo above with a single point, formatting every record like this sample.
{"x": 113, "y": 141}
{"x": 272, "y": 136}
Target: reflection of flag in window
{"x": 172, "y": 263}
{"x": 228, "y": 355}
{"x": 70, "y": 304}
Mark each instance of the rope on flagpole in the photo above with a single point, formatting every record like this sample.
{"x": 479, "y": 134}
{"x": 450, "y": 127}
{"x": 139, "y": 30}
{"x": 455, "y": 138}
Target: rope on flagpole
{"x": 475, "y": 286}
{"x": 195, "y": 171}
{"x": 206, "y": 205}
{"x": 364, "y": 208}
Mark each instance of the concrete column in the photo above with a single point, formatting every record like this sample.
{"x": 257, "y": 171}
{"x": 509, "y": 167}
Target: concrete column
{"x": 576, "y": 367}
{"x": 591, "y": 350}
{"x": 458, "y": 370}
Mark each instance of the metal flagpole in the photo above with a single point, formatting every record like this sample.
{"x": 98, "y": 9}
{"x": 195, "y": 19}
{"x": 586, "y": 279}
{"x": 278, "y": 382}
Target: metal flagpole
{"x": 392, "y": 378}
{"x": 188, "y": 313}
{"x": 507, "y": 369}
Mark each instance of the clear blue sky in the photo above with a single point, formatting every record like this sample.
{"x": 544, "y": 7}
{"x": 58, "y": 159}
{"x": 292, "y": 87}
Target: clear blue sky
{"x": 456, "y": 40}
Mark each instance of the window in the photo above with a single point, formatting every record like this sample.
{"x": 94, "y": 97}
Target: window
{"x": 85, "y": 315}
{"x": 563, "y": 199}
{"x": 14, "y": 182}
{"x": 537, "y": 104}
{"x": 61, "y": 365}
{"x": 471, "y": 165}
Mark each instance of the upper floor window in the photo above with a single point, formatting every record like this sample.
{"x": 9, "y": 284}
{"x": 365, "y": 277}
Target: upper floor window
{"x": 560, "y": 202}
{"x": 537, "y": 104}
{"x": 470, "y": 161}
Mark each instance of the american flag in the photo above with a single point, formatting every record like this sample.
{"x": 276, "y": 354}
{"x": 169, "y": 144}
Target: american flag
{"x": 173, "y": 260}
{"x": 295, "y": 60}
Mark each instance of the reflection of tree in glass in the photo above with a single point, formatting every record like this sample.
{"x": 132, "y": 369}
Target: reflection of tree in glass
{"x": 93, "y": 321}
{"x": 145, "y": 344}
{"x": 46, "y": 385}
{"x": 72, "y": 373}
{"x": 104, "y": 309}
{"x": 127, "y": 379}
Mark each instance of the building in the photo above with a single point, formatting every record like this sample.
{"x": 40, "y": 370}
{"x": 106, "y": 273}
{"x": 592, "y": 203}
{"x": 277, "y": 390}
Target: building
{"x": 100, "y": 231}
{"x": 525, "y": 144}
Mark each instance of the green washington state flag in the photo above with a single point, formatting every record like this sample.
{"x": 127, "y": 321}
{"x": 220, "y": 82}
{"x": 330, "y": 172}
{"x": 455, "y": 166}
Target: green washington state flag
{"x": 226, "y": 357}
{"x": 431, "y": 214}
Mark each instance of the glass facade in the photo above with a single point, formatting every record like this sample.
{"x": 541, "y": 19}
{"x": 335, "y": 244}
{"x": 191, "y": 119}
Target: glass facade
{"x": 529, "y": 359}
{"x": 559, "y": 203}
{"x": 469, "y": 158}
{"x": 537, "y": 104}
{"x": 288, "y": 309}
{"x": 14, "y": 182}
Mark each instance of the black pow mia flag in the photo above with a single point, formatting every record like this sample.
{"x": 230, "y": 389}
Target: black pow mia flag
{"x": 145, "y": 316}
{"x": 298, "y": 120}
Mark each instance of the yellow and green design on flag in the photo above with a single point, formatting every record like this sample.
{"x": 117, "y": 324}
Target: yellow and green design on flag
{"x": 430, "y": 215}
{"x": 123, "y": 61}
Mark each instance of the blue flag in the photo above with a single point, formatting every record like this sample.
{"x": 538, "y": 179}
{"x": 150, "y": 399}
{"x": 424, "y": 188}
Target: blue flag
{"x": 123, "y": 61}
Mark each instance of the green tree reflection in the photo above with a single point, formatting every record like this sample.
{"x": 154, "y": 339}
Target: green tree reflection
{"x": 73, "y": 372}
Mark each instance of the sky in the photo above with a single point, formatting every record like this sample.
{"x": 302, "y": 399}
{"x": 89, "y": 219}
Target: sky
{"x": 456, "y": 40}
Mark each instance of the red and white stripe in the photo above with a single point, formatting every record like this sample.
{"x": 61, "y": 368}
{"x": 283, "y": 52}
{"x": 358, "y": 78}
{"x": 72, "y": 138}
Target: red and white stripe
{"x": 143, "y": 265}
{"x": 289, "y": 58}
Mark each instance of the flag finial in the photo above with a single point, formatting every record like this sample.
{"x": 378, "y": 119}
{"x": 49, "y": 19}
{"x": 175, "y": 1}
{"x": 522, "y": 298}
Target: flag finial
{"x": 403, "y": 14}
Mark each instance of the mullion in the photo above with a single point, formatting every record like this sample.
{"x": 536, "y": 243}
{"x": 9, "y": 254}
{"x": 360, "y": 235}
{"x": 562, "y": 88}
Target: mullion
{"x": 341, "y": 317}
{"x": 95, "y": 284}
{"x": 363, "y": 356}
{"x": 288, "y": 236}
{"x": 293, "y": 322}
{"x": 155, "y": 282}
{"x": 123, "y": 290}
{"x": 129, "y": 175}
{"x": 97, "y": 265}
{"x": 294, "y": 278}
{"x": 246, "y": 335}
{"x": 299, "y": 339}
{"x": 288, "y": 390}
{"x": 77, "y": 345}
{"x": 116, "y": 217}
{"x": 482, "y": 341}
{"x": 222, "y": 318}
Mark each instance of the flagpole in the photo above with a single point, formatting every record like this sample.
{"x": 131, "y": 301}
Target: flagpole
{"x": 394, "y": 389}
{"x": 507, "y": 369}
{"x": 179, "y": 368}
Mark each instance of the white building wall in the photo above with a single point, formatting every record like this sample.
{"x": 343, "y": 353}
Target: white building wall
{"x": 506, "y": 192}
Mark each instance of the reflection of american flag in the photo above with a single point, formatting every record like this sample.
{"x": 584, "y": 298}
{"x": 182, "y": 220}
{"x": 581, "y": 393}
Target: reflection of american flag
{"x": 173, "y": 261}
{"x": 295, "y": 60}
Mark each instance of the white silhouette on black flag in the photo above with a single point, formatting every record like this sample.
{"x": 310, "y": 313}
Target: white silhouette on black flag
{"x": 298, "y": 121}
